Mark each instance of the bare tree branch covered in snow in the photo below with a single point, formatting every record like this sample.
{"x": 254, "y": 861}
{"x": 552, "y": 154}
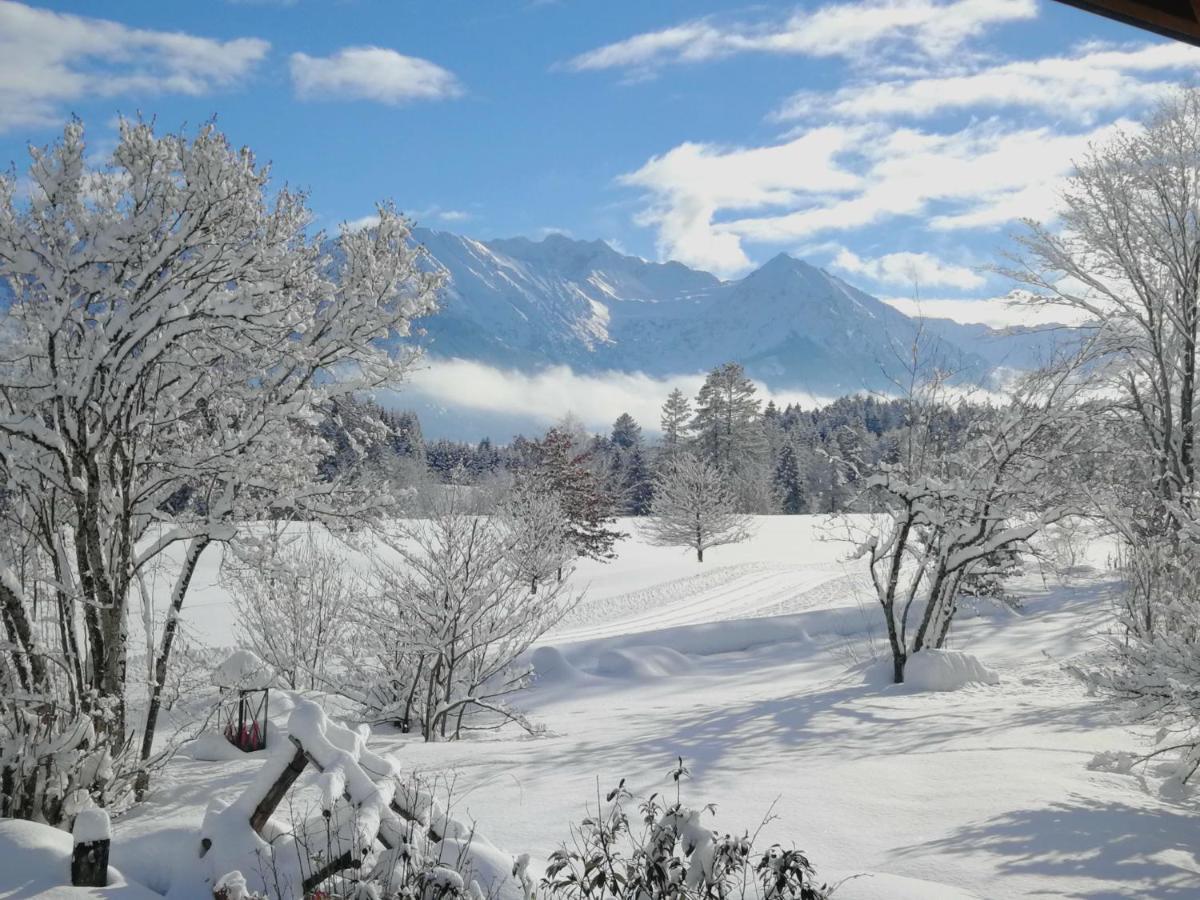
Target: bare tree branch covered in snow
{"x": 171, "y": 332}
{"x": 438, "y": 642}
{"x": 694, "y": 507}
{"x": 949, "y": 509}
{"x": 292, "y": 593}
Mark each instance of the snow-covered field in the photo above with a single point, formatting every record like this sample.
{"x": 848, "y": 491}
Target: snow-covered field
{"x": 759, "y": 668}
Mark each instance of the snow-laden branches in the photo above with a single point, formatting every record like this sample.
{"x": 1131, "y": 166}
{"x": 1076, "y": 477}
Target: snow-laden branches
{"x": 170, "y": 336}
{"x": 694, "y": 507}
{"x": 949, "y": 510}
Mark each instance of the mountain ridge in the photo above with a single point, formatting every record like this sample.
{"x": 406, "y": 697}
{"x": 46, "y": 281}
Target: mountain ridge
{"x": 527, "y": 305}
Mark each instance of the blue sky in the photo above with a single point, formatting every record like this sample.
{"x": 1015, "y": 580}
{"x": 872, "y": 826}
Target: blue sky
{"x": 894, "y": 143}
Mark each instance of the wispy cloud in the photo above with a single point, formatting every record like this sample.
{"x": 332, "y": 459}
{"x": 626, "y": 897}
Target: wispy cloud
{"x": 930, "y": 28}
{"x": 371, "y": 73}
{"x": 706, "y": 202}
{"x": 49, "y": 60}
{"x": 1080, "y": 87}
{"x": 905, "y": 268}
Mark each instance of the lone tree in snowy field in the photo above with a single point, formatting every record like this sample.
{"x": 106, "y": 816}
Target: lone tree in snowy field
{"x": 171, "y": 334}
{"x": 693, "y": 507}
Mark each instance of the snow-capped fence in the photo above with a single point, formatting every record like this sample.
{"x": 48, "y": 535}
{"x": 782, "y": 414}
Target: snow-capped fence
{"x": 89, "y": 858}
{"x": 363, "y": 802}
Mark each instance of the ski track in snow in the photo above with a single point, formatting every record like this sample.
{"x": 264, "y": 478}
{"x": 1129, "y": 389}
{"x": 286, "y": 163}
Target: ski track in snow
{"x": 734, "y": 592}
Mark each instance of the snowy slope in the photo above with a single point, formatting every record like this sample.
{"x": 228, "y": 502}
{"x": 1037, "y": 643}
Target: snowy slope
{"x": 757, "y": 667}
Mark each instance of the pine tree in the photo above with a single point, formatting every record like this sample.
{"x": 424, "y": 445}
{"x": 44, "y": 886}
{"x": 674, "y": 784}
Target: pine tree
{"x": 727, "y": 424}
{"x": 786, "y": 481}
{"x": 676, "y": 424}
{"x": 626, "y": 432}
{"x": 639, "y": 485}
{"x": 560, "y": 469}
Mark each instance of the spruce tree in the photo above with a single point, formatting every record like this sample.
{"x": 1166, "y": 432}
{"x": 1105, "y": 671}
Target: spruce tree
{"x": 727, "y": 424}
{"x": 676, "y": 425}
{"x": 639, "y": 485}
{"x": 786, "y": 481}
{"x": 626, "y": 432}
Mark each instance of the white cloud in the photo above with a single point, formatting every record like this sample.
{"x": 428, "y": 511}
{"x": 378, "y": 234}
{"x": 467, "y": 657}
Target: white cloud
{"x": 371, "y": 73}
{"x": 998, "y": 312}
{"x": 839, "y": 178}
{"x": 921, "y": 269}
{"x": 49, "y": 59}
{"x": 690, "y": 184}
{"x": 549, "y": 394}
{"x": 928, "y": 27}
{"x": 1080, "y": 87}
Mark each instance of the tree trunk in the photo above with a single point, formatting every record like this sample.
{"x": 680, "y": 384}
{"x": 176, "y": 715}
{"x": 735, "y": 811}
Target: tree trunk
{"x": 191, "y": 558}
{"x": 699, "y": 554}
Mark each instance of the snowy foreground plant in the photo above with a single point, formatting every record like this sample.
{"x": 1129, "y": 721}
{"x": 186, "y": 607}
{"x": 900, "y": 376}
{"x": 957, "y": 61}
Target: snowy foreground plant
{"x": 171, "y": 334}
{"x": 674, "y": 855}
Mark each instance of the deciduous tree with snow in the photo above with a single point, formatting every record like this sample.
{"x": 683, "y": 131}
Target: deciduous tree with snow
{"x": 694, "y": 507}
{"x": 171, "y": 333}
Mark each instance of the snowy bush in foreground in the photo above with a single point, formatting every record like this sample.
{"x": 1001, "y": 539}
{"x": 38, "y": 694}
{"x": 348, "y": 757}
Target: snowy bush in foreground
{"x": 673, "y": 855}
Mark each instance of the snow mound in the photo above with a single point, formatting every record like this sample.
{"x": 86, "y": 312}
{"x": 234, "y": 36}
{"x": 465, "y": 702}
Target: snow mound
{"x": 244, "y": 670}
{"x": 211, "y": 746}
{"x": 642, "y": 662}
{"x": 551, "y": 667}
{"x": 35, "y": 861}
{"x": 946, "y": 670}
{"x": 91, "y": 825}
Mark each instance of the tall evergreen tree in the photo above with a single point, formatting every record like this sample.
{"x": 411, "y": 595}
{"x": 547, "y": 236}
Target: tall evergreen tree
{"x": 639, "y": 484}
{"x": 626, "y": 432}
{"x": 676, "y": 424}
{"x": 786, "y": 481}
{"x": 727, "y": 424}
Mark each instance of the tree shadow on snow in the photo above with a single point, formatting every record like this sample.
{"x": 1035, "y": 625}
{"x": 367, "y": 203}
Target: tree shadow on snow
{"x": 1141, "y": 852}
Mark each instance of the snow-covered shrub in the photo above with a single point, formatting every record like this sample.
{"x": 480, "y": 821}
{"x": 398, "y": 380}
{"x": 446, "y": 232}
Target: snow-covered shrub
{"x": 292, "y": 594}
{"x": 955, "y": 511}
{"x": 437, "y": 637}
{"x": 665, "y": 850}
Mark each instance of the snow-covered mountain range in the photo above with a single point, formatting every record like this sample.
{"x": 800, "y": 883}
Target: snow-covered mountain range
{"x": 523, "y": 304}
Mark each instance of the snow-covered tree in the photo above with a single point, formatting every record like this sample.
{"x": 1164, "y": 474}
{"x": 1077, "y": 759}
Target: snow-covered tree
{"x": 676, "y": 423}
{"x": 440, "y": 637}
{"x": 694, "y": 507}
{"x": 638, "y": 487}
{"x": 171, "y": 334}
{"x": 292, "y": 594}
{"x": 727, "y": 424}
{"x": 536, "y": 531}
{"x": 950, "y": 510}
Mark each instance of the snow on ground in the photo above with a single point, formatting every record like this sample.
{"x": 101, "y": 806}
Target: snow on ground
{"x": 760, "y": 668}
